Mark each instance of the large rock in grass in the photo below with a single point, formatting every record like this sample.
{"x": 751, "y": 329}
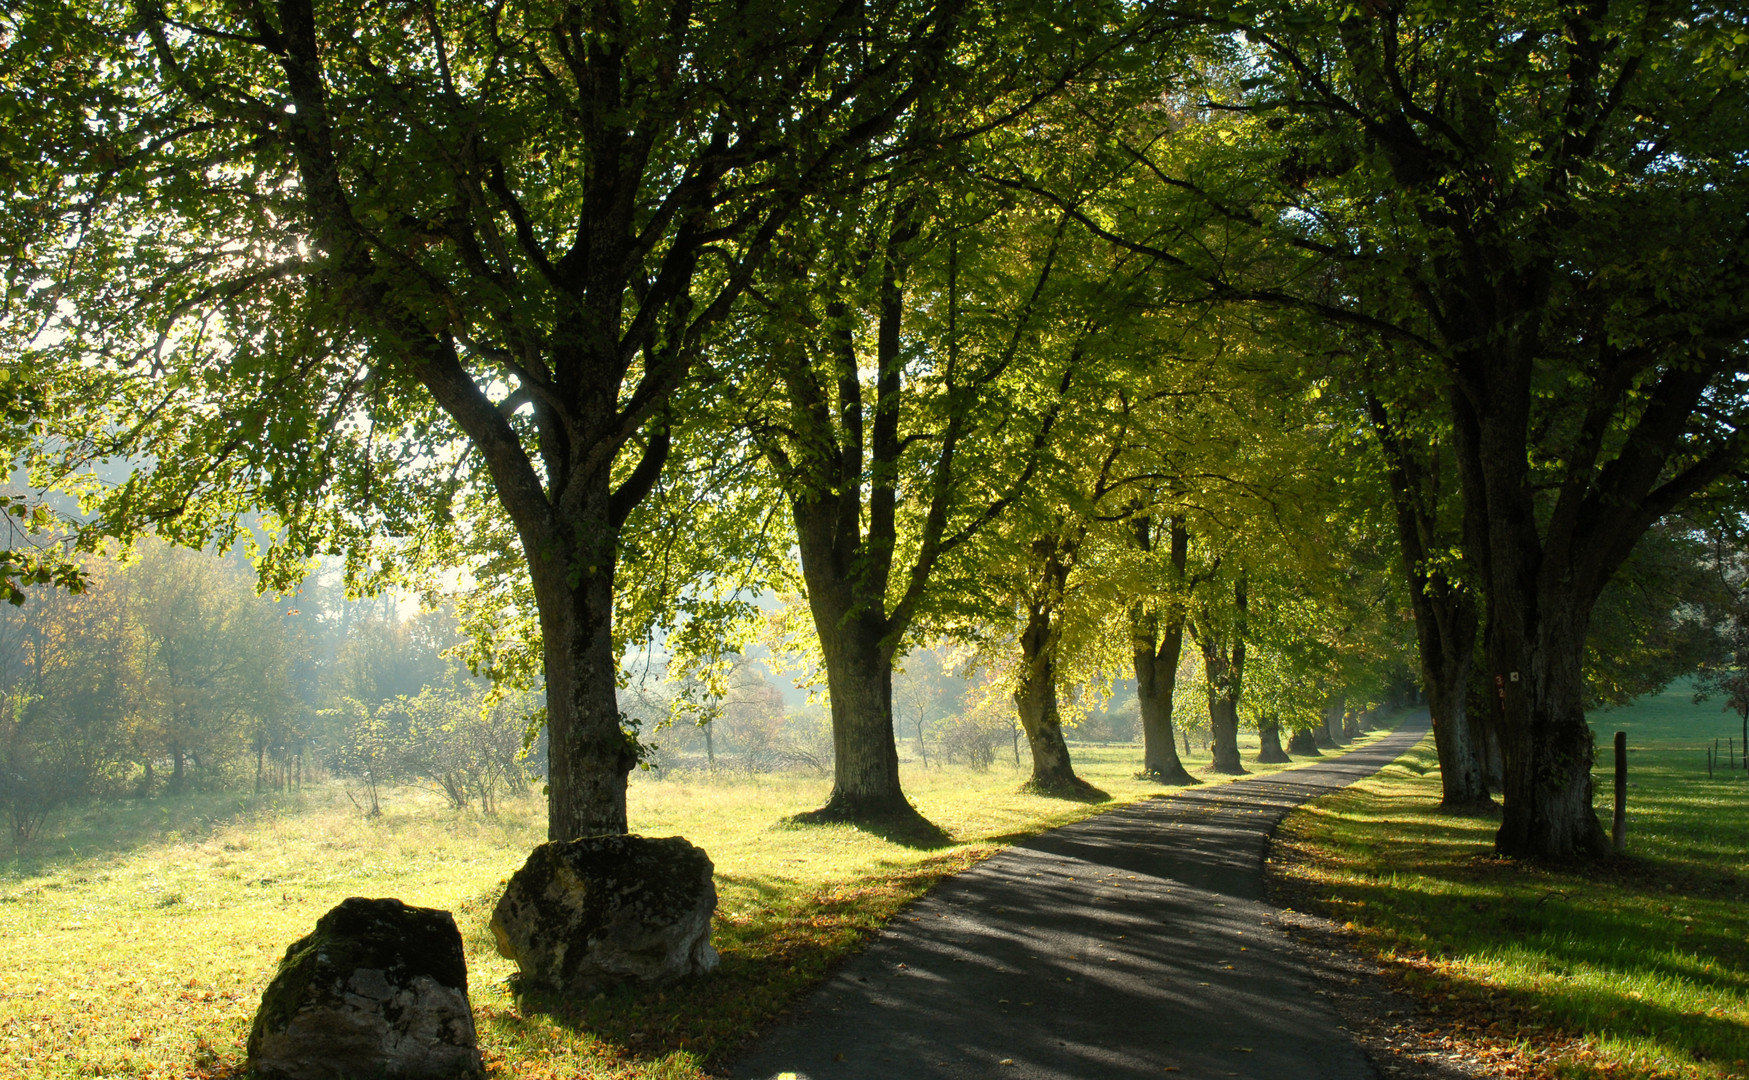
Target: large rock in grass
{"x": 378, "y": 991}
{"x": 583, "y": 916}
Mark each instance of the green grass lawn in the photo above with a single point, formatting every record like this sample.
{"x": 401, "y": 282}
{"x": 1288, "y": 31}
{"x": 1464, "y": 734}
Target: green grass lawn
{"x": 136, "y": 938}
{"x": 1635, "y": 968}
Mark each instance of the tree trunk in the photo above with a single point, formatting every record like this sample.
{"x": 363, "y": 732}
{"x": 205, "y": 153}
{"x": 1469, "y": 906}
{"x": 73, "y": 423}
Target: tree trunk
{"x": 1269, "y": 751}
{"x": 1226, "y": 681}
{"x": 1540, "y": 593}
{"x": 1547, "y": 746}
{"x": 177, "y": 775}
{"x": 1156, "y": 681}
{"x": 1446, "y": 613}
{"x": 1035, "y": 699}
{"x": 1351, "y": 728}
{"x": 865, "y": 754}
{"x": 1224, "y": 726}
{"x": 1303, "y": 743}
{"x": 1156, "y": 651}
{"x": 588, "y": 753}
{"x": 1463, "y": 783}
{"x": 1334, "y": 706}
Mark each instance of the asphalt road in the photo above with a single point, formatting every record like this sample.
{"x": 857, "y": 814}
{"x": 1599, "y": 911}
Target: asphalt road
{"x": 1135, "y": 943}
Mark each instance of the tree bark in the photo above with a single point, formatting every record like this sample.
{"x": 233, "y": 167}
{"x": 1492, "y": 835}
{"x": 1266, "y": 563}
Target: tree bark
{"x": 1269, "y": 751}
{"x": 865, "y": 755}
{"x": 1158, "y": 644}
{"x": 1225, "y": 667}
{"x": 588, "y": 753}
{"x": 1035, "y": 699}
{"x": 1463, "y": 781}
{"x": 1446, "y": 613}
{"x": 1035, "y": 695}
{"x": 1224, "y": 727}
{"x": 1547, "y": 746}
{"x": 1334, "y": 706}
{"x": 1303, "y": 743}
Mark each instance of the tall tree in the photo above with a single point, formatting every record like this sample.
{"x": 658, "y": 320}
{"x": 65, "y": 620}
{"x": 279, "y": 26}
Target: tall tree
{"x": 1157, "y": 637}
{"x": 914, "y": 408}
{"x": 366, "y": 262}
{"x": 1567, "y": 240}
{"x": 1546, "y": 206}
{"x": 1447, "y": 607}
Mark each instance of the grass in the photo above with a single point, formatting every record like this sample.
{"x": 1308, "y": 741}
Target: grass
{"x": 136, "y": 937}
{"x": 1638, "y": 967}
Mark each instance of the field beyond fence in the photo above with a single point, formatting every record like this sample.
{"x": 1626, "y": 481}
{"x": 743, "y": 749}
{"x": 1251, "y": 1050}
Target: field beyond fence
{"x": 1638, "y": 968}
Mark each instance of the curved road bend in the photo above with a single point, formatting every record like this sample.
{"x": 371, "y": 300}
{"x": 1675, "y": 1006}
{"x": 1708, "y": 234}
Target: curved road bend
{"x": 1134, "y": 943}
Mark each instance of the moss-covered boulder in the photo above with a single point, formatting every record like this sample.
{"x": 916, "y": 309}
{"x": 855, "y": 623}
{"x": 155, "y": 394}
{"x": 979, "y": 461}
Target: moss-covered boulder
{"x": 377, "y": 991}
{"x": 583, "y": 916}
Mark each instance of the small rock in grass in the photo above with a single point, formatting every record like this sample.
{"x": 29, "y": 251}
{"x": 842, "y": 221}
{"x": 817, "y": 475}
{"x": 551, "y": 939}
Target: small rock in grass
{"x": 378, "y": 991}
{"x": 584, "y": 916}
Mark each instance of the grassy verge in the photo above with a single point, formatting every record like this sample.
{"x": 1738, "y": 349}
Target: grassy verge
{"x": 137, "y": 938}
{"x": 1635, "y": 968}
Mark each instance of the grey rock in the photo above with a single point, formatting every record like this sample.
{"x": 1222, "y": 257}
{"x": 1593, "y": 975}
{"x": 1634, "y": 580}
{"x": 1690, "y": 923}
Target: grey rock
{"x": 583, "y": 916}
{"x": 378, "y": 991}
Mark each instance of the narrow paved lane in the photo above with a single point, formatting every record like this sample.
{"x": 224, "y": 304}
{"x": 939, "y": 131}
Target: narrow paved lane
{"x": 1135, "y": 943}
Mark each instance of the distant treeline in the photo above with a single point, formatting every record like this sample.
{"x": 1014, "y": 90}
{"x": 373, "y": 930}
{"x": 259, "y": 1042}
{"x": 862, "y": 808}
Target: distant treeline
{"x": 168, "y": 672}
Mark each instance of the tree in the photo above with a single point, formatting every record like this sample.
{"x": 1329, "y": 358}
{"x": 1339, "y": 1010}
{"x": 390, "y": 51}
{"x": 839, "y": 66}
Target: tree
{"x": 1447, "y": 606}
{"x": 1157, "y": 634}
{"x": 1726, "y": 672}
{"x": 366, "y": 263}
{"x": 926, "y": 689}
{"x": 211, "y": 661}
{"x": 1567, "y": 243}
{"x": 1560, "y": 251}
{"x": 957, "y": 412}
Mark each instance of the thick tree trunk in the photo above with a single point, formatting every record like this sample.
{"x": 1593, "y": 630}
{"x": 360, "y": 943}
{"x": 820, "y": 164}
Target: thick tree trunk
{"x": 1224, "y": 726}
{"x": 1226, "y": 681}
{"x": 1035, "y": 699}
{"x": 1269, "y": 751}
{"x": 1156, "y": 680}
{"x": 1156, "y": 650}
{"x": 1351, "y": 729}
{"x": 1035, "y": 695}
{"x": 572, "y": 568}
{"x": 865, "y": 753}
{"x": 1463, "y": 784}
{"x": 588, "y": 753}
{"x": 1303, "y": 743}
{"x": 1334, "y": 707}
{"x": 1548, "y": 747}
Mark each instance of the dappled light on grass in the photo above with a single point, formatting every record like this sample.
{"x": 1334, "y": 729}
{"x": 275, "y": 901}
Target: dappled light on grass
{"x": 136, "y": 939}
{"x": 1635, "y": 968}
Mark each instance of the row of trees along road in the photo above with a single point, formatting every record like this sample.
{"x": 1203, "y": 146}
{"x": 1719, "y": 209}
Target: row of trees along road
{"x": 1084, "y": 333}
